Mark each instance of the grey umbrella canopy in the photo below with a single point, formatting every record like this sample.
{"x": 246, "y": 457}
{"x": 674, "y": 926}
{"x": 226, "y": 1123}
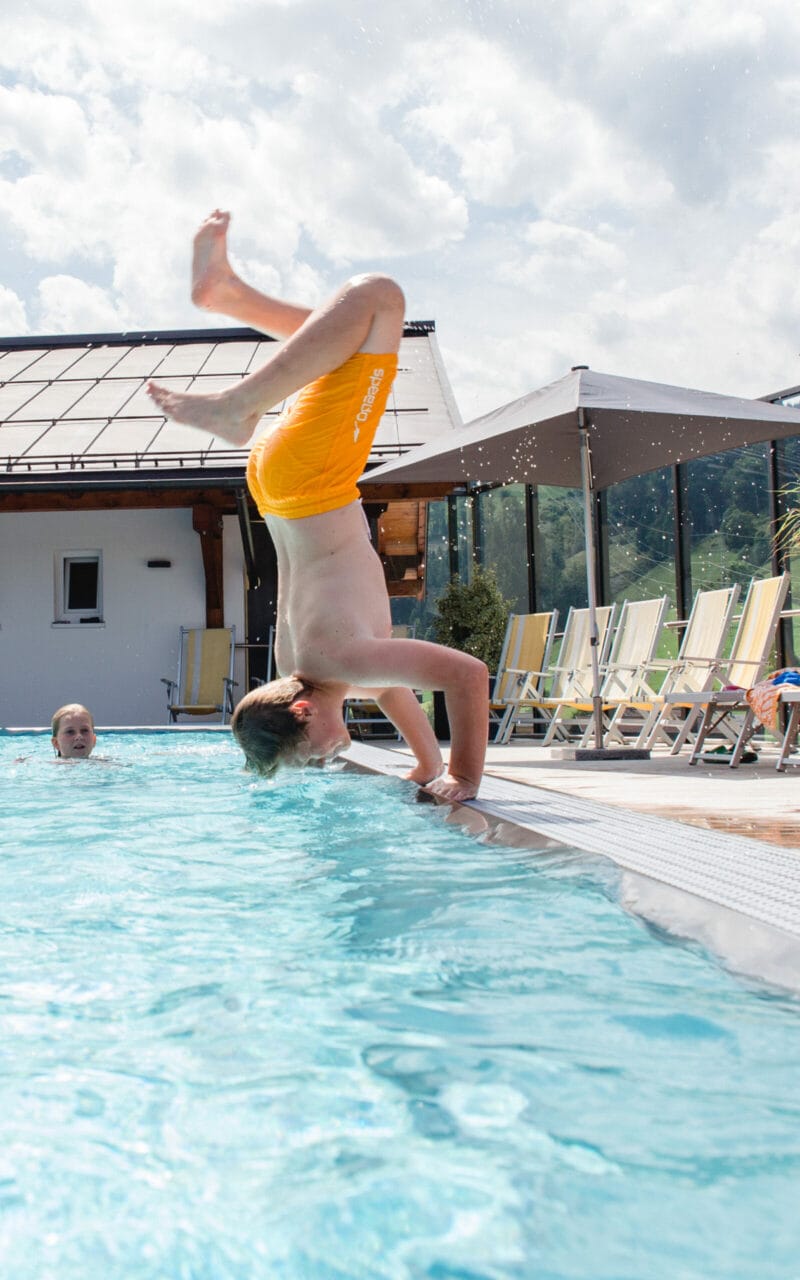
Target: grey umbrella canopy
{"x": 590, "y": 430}
{"x": 633, "y": 427}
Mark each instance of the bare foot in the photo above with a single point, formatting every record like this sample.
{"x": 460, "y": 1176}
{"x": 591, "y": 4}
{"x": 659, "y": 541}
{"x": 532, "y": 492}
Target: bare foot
{"x": 423, "y": 776}
{"x": 449, "y": 788}
{"x": 214, "y": 282}
{"x": 219, "y": 413}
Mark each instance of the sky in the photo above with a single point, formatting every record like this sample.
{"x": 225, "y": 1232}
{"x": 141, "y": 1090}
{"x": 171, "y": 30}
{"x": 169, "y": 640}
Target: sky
{"x": 554, "y": 182}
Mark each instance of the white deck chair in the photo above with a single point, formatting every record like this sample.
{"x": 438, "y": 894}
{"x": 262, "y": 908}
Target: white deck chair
{"x": 525, "y": 653}
{"x": 742, "y": 669}
{"x": 549, "y": 692}
{"x": 624, "y": 676}
{"x": 692, "y": 671}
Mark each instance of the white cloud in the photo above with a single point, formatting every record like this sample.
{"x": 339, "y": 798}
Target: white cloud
{"x": 582, "y": 180}
{"x": 517, "y": 141}
{"x": 47, "y": 131}
{"x": 69, "y": 305}
{"x": 673, "y": 26}
{"x": 557, "y": 257}
{"x": 13, "y": 321}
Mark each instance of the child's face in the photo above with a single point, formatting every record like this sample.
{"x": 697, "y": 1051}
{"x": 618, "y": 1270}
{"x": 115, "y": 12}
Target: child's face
{"x": 75, "y": 738}
{"x": 325, "y": 735}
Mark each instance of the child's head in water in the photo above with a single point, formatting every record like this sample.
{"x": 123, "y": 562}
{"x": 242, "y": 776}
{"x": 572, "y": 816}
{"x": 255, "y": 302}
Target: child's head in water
{"x": 287, "y": 722}
{"x": 73, "y": 732}
{"x": 265, "y": 726}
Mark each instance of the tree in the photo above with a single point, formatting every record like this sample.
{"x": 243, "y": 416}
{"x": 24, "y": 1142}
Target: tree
{"x": 472, "y": 617}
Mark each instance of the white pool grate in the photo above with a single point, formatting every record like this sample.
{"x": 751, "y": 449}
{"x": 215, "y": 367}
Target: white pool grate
{"x": 759, "y": 880}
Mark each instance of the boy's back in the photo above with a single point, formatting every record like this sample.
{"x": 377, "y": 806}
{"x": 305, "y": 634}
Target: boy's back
{"x": 331, "y": 592}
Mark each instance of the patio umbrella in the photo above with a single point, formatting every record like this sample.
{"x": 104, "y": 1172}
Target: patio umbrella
{"x": 590, "y": 430}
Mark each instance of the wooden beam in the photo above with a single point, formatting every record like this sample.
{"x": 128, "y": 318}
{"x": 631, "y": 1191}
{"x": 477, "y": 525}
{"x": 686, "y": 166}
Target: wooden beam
{"x": 385, "y": 492}
{"x": 207, "y": 521}
{"x": 137, "y": 497}
{"x": 143, "y": 496}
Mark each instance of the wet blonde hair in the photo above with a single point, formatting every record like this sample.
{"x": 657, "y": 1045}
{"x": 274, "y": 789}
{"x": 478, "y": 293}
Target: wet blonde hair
{"x": 70, "y": 709}
{"x": 265, "y": 727}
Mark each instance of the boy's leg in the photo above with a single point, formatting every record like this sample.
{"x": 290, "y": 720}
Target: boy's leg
{"x": 217, "y": 287}
{"x": 365, "y": 315}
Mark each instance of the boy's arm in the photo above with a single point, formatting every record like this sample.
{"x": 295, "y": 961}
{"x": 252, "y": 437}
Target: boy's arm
{"x": 464, "y": 680}
{"x": 467, "y": 703}
{"x": 403, "y": 708}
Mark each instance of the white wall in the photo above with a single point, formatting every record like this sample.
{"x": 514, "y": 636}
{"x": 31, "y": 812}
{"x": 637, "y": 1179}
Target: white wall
{"x": 115, "y": 669}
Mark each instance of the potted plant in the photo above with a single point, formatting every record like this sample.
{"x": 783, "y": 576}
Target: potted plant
{"x": 470, "y": 616}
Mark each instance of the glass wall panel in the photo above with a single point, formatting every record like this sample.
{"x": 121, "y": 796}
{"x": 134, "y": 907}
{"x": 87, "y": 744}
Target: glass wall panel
{"x": 437, "y": 573}
{"x": 789, "y": 473}
{"x": 728, "y": 500}
{"x": 438, "y": 560}
{"x": 728, "y": 505}
{"x": 640, "y": 536}
{"x": 503, "y": 545}
{"x": 437, "y": 550}
{"x": 464, "y": 511}
{"x": 560, "y": 558}
{"x": 728, "y": 497}
{"x": 640, "y": 545}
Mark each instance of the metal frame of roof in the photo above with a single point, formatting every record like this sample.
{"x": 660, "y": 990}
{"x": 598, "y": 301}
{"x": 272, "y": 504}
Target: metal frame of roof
{"x": 224, "y": 333}
{"x": 780, "y": 397}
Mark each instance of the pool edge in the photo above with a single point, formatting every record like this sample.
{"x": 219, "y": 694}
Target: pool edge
{"x": 702, "y": 886}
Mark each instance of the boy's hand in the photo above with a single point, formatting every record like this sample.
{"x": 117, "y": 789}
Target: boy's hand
{"x": 464, "y": 680}
{"x": 449, "y": 788}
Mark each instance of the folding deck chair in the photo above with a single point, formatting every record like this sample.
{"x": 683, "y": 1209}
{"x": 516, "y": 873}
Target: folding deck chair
{"x": 624, "y": 676}
{"x": 525, "y": 654}
{"x": 692, "y": 671}
{"x": 740, "y": 671}
{"x": 549, "y": 691}
{"x": 204, "y": 682}
{"x": 779, "y": 700}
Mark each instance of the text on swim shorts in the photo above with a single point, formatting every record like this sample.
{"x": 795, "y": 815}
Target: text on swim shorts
{"x": 375, "y": 380}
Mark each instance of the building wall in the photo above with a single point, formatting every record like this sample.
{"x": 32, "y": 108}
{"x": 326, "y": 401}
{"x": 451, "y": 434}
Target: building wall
{"x": 114, "y": 669}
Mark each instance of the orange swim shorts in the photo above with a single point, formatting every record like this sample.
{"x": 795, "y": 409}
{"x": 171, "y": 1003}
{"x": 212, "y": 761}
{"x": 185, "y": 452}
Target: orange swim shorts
{"x": 310, "y": 461}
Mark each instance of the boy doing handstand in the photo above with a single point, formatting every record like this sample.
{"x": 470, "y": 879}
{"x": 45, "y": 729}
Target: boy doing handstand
{"x": 333, "y": 635}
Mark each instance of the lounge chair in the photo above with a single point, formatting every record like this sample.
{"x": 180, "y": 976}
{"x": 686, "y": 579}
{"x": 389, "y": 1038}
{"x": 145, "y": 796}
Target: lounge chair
{"x": 624, "y": 676}
{"x": 740, "y": 671}
{"x": 692, "y": 671}
{"x": 549, "y": 692}
{"x": 204, "y": 682}
{"x": 524, "y": 655}
{"x": 776, "y": 698}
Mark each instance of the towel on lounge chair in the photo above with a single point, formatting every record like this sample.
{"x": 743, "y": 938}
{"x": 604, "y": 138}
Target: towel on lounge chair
{"x": 765, "y": 697}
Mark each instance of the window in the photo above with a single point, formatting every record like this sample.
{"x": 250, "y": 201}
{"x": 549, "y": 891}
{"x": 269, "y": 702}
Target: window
{"x": 79, "y": 586}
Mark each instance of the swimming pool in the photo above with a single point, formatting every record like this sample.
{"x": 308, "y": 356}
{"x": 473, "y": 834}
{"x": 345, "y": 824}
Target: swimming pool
{"x": 309, "y": 1030}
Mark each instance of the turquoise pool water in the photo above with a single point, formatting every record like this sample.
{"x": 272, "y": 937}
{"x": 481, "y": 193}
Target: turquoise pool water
{"x": 311, "y": 1031}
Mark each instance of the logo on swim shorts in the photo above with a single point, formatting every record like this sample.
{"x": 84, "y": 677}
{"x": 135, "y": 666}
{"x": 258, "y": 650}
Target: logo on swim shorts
{"x": 375, "y": 380}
